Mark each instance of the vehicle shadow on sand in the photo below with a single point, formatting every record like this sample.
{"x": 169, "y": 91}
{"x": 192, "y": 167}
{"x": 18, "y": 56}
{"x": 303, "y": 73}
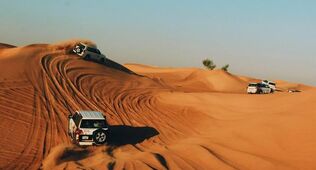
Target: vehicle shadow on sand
{"x": 119, "y": 135}
{"x": 122, "y": 135}
{"x": 112, "y": 64}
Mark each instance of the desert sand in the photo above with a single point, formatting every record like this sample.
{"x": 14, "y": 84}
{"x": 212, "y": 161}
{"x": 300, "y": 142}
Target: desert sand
{"x": 161, "y": 118}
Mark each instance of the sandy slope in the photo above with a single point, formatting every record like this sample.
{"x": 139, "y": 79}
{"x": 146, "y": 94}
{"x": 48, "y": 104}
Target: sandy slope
{"x": 167, "y": 119}
{"x": 193, "y": 79}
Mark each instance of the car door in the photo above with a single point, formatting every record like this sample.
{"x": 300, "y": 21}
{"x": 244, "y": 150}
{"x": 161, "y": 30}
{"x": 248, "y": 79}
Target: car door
{"x": 73, "y": 123}
{"x": 70, "y": 126}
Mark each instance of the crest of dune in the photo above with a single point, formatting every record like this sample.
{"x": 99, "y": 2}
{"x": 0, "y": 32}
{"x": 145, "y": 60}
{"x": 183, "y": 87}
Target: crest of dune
{"x": 160, "y": 118}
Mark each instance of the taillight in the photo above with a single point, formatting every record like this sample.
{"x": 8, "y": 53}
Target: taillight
{"x": 78, "y": 131}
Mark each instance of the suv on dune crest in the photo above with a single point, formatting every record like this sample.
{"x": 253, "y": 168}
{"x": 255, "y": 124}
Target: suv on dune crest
{"x": 88, "y": 52}
{"x": 87, "y": 128}
{"x": 258, "y": 88}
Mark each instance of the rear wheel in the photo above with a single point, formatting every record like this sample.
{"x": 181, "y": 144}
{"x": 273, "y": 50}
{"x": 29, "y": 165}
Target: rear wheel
{"x": 259, "y": 91}
{"x": 99, "y": 136}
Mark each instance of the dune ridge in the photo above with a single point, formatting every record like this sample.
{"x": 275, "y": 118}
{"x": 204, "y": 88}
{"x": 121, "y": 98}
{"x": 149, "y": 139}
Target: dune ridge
{"x": 161, "y": 118}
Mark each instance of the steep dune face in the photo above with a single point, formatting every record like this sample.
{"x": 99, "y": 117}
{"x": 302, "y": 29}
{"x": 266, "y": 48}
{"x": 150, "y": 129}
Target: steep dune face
{"x": 41, "y": 85}
{"x": 166, "y": 119}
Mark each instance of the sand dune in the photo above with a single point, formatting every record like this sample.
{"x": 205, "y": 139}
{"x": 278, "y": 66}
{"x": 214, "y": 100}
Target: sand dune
{"x": 161, "y": 118}
{"x": 3, "y": 45}
{"x": 193, "y": 79}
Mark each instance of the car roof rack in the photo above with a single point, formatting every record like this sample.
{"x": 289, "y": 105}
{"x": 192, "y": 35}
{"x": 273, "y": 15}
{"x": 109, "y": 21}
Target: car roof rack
{"x": 91, "y": 114}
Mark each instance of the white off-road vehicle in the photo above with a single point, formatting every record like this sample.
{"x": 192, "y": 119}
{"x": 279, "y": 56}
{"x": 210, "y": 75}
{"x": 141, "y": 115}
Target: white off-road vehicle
{"x": 271, "y": 84}
{"x": 87, "y": 128}
{"x": 88, "y": 52}
{"x": 258, "y": 88}
{"x": 252, "y": 88}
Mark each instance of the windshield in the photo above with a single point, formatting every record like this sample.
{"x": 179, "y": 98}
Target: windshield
{"x": 93, "y": 124}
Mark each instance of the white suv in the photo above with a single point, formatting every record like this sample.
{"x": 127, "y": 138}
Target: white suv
{"x": 252, "y": 88}
{"x": 258, "y": 88}
{"x": 88, "y": 52}
{"x": 87, "y": 128}
{"x": 271, "y": 84}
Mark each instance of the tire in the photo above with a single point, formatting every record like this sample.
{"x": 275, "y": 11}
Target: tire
{"x": 259, "y": 91}
{"x": 99, "y": 136}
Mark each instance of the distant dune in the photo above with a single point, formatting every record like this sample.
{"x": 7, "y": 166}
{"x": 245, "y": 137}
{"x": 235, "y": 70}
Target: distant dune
{"x": 193, "y": 79}
{"x": 2, "y": 45}
{"x": 161, "y": 118}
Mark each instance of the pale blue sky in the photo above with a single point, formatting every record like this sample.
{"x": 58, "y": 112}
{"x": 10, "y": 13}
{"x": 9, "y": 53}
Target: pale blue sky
{"x": 270, "y": 39}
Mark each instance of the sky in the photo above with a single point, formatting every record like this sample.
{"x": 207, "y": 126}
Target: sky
{"x": 270, "y": 39}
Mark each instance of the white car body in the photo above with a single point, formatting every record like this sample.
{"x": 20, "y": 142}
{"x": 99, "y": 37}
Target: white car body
{"x": 271, "y": 84}
{"x": 88, "y": 52}
{"x": 258, "y": 88}
{"x": 252, "y": 88}
{"x": 84, "y": 127}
